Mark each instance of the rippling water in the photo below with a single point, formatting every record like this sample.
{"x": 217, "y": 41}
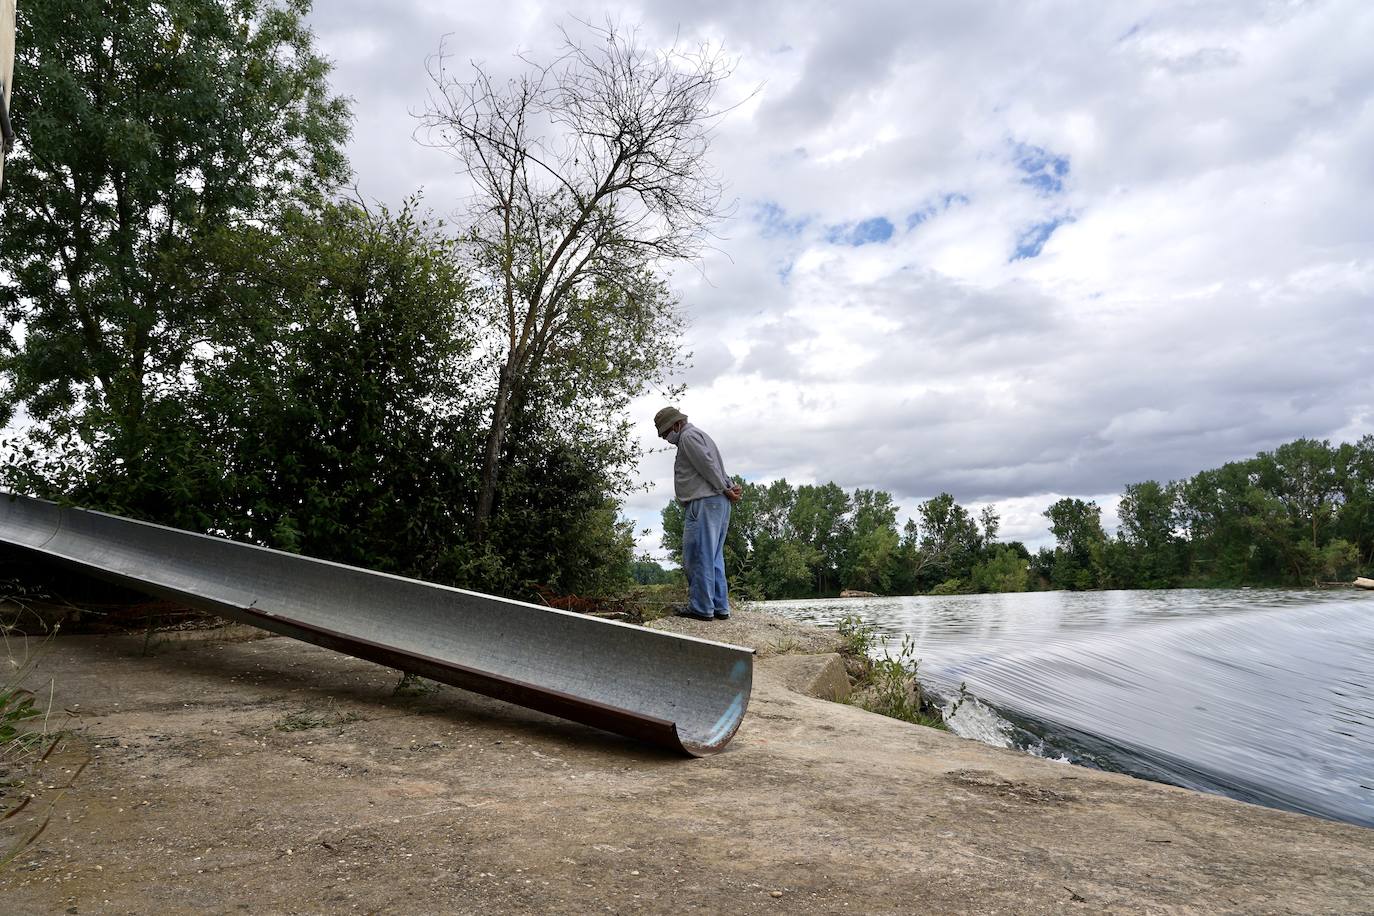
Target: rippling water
{"x": 1265, "y": 696}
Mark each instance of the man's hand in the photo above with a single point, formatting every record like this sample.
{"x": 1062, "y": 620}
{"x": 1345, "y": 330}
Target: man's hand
{"x": 735, "y": 493}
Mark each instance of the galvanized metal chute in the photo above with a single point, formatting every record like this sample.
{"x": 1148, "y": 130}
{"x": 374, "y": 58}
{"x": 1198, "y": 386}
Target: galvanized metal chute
{"x": 675, "y": 691}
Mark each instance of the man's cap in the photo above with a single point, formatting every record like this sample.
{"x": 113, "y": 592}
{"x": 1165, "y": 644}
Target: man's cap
{"x": 666, "y": 418}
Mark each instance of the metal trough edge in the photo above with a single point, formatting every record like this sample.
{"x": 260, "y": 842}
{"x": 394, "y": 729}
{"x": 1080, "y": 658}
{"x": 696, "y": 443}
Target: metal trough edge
{"x": 679, "y": 692}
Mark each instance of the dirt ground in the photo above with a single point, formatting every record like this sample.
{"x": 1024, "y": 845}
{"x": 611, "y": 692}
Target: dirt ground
{"x": 233, "y": 775}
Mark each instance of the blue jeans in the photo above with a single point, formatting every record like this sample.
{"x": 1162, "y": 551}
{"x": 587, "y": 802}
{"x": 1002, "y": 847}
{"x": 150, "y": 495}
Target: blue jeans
{"x": 704, "y": 524}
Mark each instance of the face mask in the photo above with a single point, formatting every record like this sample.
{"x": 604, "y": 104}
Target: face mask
{"x": 672, "y": 436}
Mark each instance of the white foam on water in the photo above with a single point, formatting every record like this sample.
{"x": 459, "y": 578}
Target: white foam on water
{"x": 968, "y": 718}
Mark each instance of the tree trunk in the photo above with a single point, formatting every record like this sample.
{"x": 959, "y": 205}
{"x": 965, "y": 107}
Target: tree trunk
{"x": 491, "y": 458}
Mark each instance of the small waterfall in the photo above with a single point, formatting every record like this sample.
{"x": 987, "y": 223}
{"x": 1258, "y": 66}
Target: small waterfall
{"x": 1263, "y": 696}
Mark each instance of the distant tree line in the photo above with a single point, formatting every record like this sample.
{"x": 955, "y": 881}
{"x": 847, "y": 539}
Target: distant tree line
{"x": 1299, "y": 515}
{"x": 807, "y": 541}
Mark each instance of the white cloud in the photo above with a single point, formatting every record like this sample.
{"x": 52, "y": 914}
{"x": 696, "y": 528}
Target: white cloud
{"x": 1203, "y": 287}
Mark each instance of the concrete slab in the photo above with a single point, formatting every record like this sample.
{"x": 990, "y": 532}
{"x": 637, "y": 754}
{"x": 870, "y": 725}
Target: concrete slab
{"x": 820, "y": 676}
{"x": 270, "y": 776}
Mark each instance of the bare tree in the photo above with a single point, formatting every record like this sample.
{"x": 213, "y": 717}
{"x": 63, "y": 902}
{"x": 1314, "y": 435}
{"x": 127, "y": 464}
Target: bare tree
{"x": 589, "y": 173}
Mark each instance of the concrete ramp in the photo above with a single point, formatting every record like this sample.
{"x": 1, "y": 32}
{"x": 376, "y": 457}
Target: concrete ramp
{"x": 675, "y": 691}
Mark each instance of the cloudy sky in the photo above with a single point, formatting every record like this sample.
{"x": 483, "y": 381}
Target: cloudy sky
{"x": 1009, "y": 250}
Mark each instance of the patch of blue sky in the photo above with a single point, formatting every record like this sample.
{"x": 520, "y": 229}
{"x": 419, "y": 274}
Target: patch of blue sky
{"x": 1042, "y": 170}
{"x": 920, "y": 216}
{"x": 875, "y": 229}
{"x": 1032, "y": 241}
{"x": 774, "y": 222}
{"x": 929, "y": 211}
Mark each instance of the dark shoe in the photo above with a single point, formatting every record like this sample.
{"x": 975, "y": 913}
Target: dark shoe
{"x": 686, "y": 612}
{"x": 722, "y": 616}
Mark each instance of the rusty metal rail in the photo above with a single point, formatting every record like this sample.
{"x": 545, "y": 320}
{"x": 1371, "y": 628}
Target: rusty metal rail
{"x": 676, "y": 691}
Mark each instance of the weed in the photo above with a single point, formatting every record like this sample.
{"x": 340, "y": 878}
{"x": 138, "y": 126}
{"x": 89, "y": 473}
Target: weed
{"x": 18, "y": 706}
{"x": 857, "y": 638}
{"x": 650, "y": 602}
{"x": 412, "y": 685}
{"x": 963, "y": 695}
{"x": 889, "y": 685}
{"x": 308, "y": 719}
{"x": 26, "y": 741}
{"x": 20, "y": 711}
{"x": 895, "y": 689}
{"x": 19, "y": 599}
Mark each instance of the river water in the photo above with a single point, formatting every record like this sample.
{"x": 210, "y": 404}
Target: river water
{"x": 1265, "y": 696}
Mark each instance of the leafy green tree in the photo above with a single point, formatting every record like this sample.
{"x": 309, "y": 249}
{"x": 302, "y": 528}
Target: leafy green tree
{"x": 991, "y": 523}
{"x": 870, "y": 557}
{"x": 786, "y": 570}
{"x": 1267, "y": 519}
{"x": 1214, "y": 506}
{"x": 819, "y": 519}
{"x": 782, "y": 561}
{"x": 672, "y": 518}
{"x": 355, "y": 433}
{"x": 1076, "y": 524}
{"x": 774, "y": 510}
{"x": 1304, "y": 477}
{"x": 905, "y": 579}
{"x": 950, "y": 541}
{"x": 1005, "y": 569}
{"x": 1149, "y": 516}
{"x": 1078, "y": 557}
{"x": 150, "y": 134}
{"x": 1297, "y": 515}
{"x": 575, "y": 543}
{"x": 1338, "y": 560}
{"x": 339, "y": 425}
{"x": 649, "y": 572}
{"x": 1355, "y": 518}
{"x": 1041, "y": 571}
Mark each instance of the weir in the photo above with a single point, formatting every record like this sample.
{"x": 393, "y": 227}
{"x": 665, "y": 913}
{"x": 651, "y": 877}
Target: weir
{"x": 678, "y": 692}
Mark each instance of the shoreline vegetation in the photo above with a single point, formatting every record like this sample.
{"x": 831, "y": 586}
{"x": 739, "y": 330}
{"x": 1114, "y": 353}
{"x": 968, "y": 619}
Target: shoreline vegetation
{"x": 1301, "y": 515}
{"x": 889, "y": 685}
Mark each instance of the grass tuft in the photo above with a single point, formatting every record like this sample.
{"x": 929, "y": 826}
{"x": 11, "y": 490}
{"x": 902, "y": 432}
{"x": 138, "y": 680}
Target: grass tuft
{"x": 26, "y": 737}
{"x": 315, "y": 718}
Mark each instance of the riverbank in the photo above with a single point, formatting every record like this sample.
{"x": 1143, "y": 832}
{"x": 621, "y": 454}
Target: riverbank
{"x": 243, "y": 774}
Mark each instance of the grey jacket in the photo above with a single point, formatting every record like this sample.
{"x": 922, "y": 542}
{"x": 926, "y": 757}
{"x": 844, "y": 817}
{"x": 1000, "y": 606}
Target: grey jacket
{"x": 698, "y": 470}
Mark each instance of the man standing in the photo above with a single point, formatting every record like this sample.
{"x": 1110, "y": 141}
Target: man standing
{"x": 706, "y": 493}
